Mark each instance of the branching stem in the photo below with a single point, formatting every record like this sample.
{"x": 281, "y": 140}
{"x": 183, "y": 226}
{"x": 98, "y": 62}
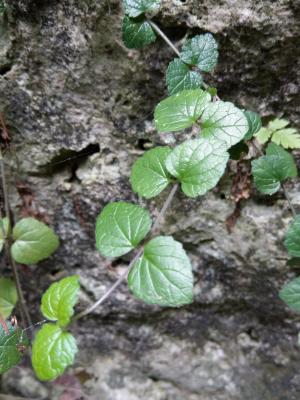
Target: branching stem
{"x": 156, "y": 225}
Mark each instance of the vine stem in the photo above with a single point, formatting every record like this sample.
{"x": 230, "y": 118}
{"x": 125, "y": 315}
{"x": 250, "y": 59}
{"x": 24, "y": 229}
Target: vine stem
{"x": 156, "y": 224}
{"x": 23, "y": 309}
{"x": 164, "y": 37}
{"x": 287, "y": 196}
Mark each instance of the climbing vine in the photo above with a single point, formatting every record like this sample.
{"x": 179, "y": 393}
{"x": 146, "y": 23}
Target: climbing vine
{"x": 160, "y": 271}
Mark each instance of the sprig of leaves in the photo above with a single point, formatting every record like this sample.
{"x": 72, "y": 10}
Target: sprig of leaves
{"x": 54, "y": 348}
{"x": 278, "y": 132}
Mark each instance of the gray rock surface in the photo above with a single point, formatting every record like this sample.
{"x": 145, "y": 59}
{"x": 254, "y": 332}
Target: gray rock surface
{"x": 79, "y": 106}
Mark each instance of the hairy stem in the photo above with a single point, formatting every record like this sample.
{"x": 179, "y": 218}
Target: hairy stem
{"x": 164, "y": 37}
{"x": 287, "y": 196}
{"x": 23, "y": 309}
{"x": 156, "y": 225}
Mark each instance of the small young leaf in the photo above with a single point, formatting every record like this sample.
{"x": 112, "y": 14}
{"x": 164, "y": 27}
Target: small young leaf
{"x": 34, "y": 241}
{"x": 277, "y": 124}
{"x": 8, "y": 297}
{"x": 53, "y": 351}
{"x": 137, "y": 33}
{"x": 212, "y": 91}
{"x": 198, "y": 164}
{"x": 289, "y": 138}
{"x": 10, "y": 343}
{"x": 134, "y": 8}
{"x": 163, "y": 275}
{"x": 149, "y": 175}
{"x": 270, "y": 170}
{"x": 181, "y": 110}
{"x": 4, "y": 229}
{"x": 263, "y": 135}
{"x": 59, "y": 300}
{"x": 290, "y": 294}
{"x": 223, "y": 121}
{"x": 202, "y": 51}
{"x": 292, "y": 241}
{"x": 120, "y": 227}
{"x": 181, "y": 77}
{"x": 254, "y": 123}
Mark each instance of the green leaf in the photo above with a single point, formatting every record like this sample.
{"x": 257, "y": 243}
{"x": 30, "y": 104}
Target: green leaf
{"x": 277, "y": 124}
{"x": 198, "y": 164}
{"x": 212, "y": 91}
{"x": 223, "y": 121}
{"x": 120, "y": 227}
{"x": 149, "y": 175}
{"x": 289, "y": 138}
{"x": 181, "y": 110}
{"x": 201, "y": 51}
{"x": 270, "y": 170}
{"x": 53, "y": 351}
{"x": 8, "y": 297}
{"x": 290, "y": 294}
{"x": 263, "y": 135}
{"x": 137, "y": 33}
{"x": 59, "y": 300}
{"x": 292, "y": 241}
{"x": 181, "y": 77}
{"x": 34, "y": 241}
{"x": 163, "y": 275}
{"x": 254, "y": 123}
{"x": 4, "y": 228}
{"x": 11, "y": 346}
{"x": 134, "y": 8}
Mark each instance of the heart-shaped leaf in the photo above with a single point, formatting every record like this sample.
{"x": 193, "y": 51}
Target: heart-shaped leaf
{"x": 59, "y": 300}
{"x": 270, "y": 170}
{"x": 223, "y": 121}
{"x": 53, "y": 351}
{"x": 134, "y": 8}
{"x": 163, "y": 275}
{"x": 34, "y": 241}
{"x": 12, "y": 346}
{"x": 198, "y": 164}
{"x": 181, "y": 77}
{"x": 149, "y": 175}
{"x": 120, "y": 228}
{"x": 202, "y": 51}
{"x": 292, "y": 241}
{"x": 8, "y": 297}
{"x": 137, "y": 33}
{"x": 181, "y": 110}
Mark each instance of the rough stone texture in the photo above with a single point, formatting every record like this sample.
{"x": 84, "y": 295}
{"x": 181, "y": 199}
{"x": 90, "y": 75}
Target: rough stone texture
{"x": 79, "y": 107}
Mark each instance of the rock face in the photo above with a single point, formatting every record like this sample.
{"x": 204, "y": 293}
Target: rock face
{"x": 79, "y": 108}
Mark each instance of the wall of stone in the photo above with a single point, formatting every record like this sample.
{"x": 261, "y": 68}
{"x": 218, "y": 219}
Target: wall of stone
{"x": 79, "y": 109}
